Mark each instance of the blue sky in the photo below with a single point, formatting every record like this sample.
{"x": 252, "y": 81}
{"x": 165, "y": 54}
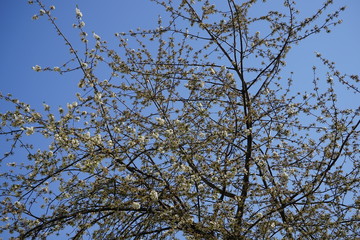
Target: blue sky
{"x": 26, "y": 43}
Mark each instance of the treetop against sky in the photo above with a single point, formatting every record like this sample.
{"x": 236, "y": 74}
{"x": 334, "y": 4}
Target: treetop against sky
{"x": 180, "y": 119}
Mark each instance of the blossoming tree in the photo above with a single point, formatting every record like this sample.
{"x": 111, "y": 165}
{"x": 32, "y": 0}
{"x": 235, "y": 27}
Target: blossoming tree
{"x": 195, "y": 134}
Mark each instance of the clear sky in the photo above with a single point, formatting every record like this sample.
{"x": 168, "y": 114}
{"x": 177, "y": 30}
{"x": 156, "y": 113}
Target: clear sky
{"x": 25, "y": 43}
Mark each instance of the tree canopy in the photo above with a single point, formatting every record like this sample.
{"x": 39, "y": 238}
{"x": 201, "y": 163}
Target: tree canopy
{"x": 196, "y": 133}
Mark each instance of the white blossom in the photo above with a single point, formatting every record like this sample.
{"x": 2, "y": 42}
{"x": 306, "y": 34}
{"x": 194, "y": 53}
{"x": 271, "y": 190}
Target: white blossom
{"x": 29, "y": 131}
{"x": 136, "y": 205}
{"x": 36, "y": 68}
{"x": 78, "y": 13}
{"x": 87, "y": 135}
{"x": 141, "y": 139}
{"x": 75, "y": 142}
{"x": 154, "y": 195}
{"x": 160, "y": 121}
{"x": 247, "y": 131}
{"x": 97, "y": 97}
{"x": 110, "y": 143}
{"x": 11, "y": 164}
{"x": 155, "y": 135}
{"x": 169, "y": 132}
{"x": 97, "y": 37}
{"x": 230, "y": 76}
{"x": 17, "y": 204}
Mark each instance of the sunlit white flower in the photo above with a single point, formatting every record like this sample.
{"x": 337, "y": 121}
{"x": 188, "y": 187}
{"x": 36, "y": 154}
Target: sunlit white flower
{"x": 154, "y": 195}
{"x": 212, "y": 71}
{"x": 97, "y": 37}
{"x": 17, "y": 204}
{"x": 42, "y": 12}
{"x": 84, "y": 65}
{"x": 29, "y": 131}
{"x": 110, "y": 143}
{"x": 201, "y": 187}
{"x": 247, "y": 131}
{"x": 155, "y": 135}
{"x": 87, "y": 135}
{"x": 11, "y": 164}
{"x": 275, "y": 154}
{"x": 129, "y": 178}
{"x": 160, "y": 121}
{"x": 75, "y": 142}
{"x": 36, "y": 68}
{"x": 291, "y": 111}
{"x": 98, "y": 139}
{"x": 57, "y": 69}
{"x": 161, "y": 150}
{"x": 136, "y": 205}
{"x": 78, "y": 13}
{"x": 202, "y": 84}
{"x": 131, "y": 129}
{"x": 141, "y": 139}
{"x": 284, "y": 174}
{"x": 169, "y": 132}
{"x": 229, "y": 76}
{"x": 224, "y": 133}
